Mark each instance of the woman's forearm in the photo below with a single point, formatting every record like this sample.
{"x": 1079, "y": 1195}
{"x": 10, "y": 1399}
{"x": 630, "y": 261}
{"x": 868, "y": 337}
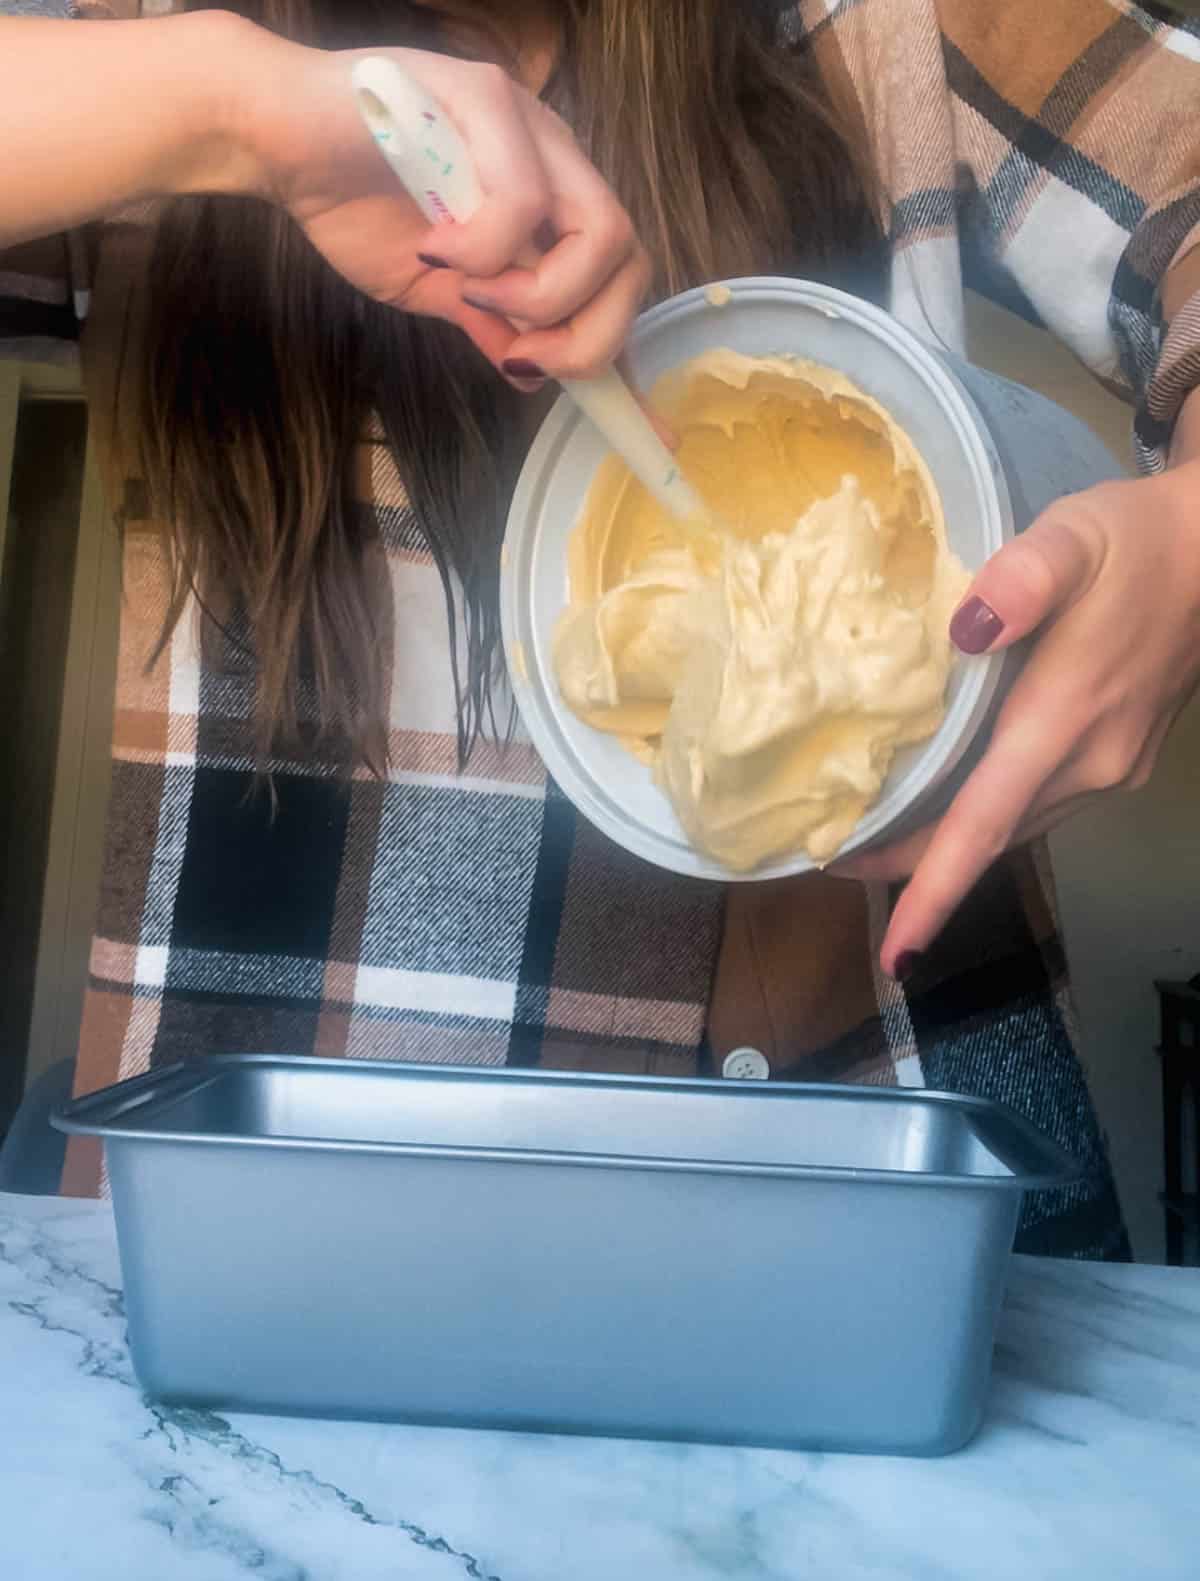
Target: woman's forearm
{"x": 98, "y": 115}
{"x": 1185, "y": 447}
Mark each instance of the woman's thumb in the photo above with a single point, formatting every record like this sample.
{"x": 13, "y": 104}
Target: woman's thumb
{"x": 1033, "y": 577}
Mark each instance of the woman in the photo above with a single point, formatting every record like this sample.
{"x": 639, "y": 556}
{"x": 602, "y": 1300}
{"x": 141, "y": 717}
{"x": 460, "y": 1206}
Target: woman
{"x": 333, "y": 474}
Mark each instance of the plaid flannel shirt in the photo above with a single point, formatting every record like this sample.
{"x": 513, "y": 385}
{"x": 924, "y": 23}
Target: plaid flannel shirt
{"x": 1047, "y": 154}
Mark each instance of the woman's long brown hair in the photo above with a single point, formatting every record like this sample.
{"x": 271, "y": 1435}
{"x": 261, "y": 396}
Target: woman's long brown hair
{"x": 263, "y": 369}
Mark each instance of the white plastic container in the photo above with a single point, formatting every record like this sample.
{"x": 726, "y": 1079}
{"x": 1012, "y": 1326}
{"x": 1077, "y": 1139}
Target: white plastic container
{"x": 762, "y": 317}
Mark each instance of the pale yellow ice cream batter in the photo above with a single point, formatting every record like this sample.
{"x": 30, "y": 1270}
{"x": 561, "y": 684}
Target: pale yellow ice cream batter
{"x": 768, "y": 672}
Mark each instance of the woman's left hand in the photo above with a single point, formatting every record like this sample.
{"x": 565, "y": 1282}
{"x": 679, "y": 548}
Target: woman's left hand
{"x": 1110, "y": 581}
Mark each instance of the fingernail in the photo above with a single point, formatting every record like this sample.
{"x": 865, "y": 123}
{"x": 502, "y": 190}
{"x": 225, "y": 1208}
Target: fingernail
{"x": 525, "y": 375}
{"x": 906, "y": 964}
{"x": 522, "y": 368}
{"x": 975, "y": 627}
{"x": 481, "y": 303}
{"x": 431, "y": 262}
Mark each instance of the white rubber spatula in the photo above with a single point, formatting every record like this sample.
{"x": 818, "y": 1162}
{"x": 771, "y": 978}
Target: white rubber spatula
{"x": 421, "y": 144}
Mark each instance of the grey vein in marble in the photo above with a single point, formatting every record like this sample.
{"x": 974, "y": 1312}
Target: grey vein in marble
{"x": 84, "y": 1307}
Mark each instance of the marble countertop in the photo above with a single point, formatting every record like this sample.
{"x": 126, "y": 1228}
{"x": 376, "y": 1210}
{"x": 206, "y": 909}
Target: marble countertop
{"x": 1088, "y": 1465}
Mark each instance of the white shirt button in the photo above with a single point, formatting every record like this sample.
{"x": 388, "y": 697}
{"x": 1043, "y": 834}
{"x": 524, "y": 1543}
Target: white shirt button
{"x": 746, "y": 1065}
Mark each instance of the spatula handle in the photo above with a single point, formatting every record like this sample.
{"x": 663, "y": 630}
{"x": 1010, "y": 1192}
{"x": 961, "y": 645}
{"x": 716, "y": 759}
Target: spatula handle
{"x": 431, "y": 161}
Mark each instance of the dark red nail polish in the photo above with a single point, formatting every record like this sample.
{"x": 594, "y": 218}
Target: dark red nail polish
{"x": 431, "y": 262}
{"x": 975, "y": 627}
{"x": 906, "y": 964}
{"x": 522, "y": 368}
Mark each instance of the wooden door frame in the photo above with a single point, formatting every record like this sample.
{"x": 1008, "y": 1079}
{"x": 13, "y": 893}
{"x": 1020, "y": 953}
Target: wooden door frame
{"x": 82, "y": 759}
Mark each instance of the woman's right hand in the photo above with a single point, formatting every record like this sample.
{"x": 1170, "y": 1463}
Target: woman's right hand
{"x": 297, "y": 118}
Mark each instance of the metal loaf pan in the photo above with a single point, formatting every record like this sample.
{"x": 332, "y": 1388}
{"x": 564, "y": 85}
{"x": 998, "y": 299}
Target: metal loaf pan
{"x": 755, "y": 1262}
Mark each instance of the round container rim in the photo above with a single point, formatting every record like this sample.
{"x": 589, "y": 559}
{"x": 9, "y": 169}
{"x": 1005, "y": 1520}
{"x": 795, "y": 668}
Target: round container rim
{"x": 935, "y": 760}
